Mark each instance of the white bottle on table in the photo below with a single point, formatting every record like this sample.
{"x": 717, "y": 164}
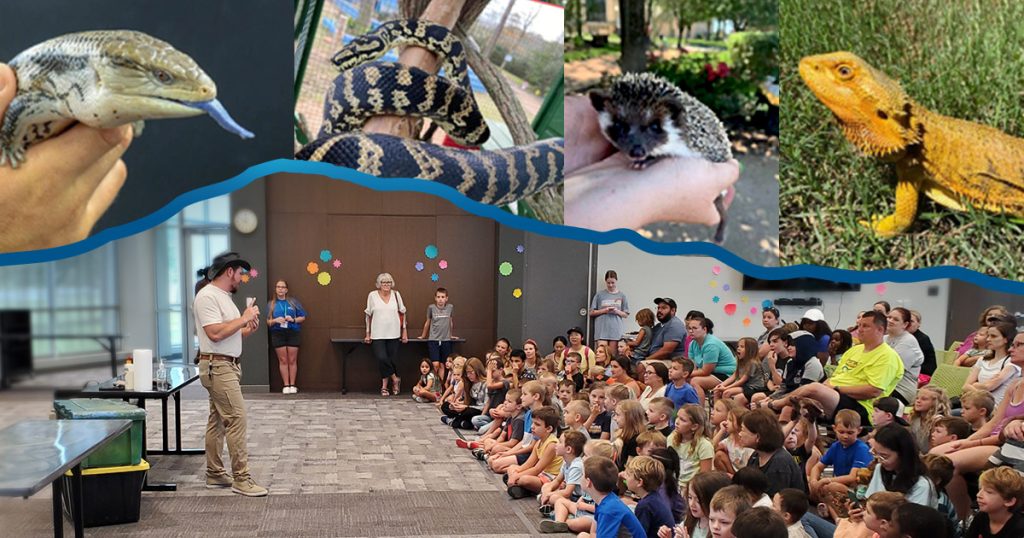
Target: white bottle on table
{"x": 129, "y": 374}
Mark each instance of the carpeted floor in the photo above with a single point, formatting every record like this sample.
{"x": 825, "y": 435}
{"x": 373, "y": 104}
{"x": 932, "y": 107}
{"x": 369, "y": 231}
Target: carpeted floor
{"x": 335, "y": 466}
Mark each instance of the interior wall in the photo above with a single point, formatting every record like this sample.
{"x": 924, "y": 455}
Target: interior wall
{"x": 253, "y": 248}
{"x": 371, "y": 232}
{"x": 693, "y": 283}
{"x": 968, "y": 301}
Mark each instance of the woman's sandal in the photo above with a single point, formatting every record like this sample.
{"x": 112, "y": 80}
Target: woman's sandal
{"x": 395, "y": 385}
{"x": 384, "y": 392}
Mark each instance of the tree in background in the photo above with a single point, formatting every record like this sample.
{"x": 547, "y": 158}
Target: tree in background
{"x": 634, "y": 36}
{"x": 746, "y": 14}
{"x": 687, "y": 12}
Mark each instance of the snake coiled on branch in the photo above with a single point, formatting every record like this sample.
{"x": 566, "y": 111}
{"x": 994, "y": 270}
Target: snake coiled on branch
{"x": 368, "y": 87}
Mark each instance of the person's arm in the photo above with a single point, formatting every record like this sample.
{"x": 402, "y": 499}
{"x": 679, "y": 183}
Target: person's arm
{"x": 369, "y": 316}
{"x": 972, "y": 378}
{"x": 639, "y": 338}
{"x": 219, "y": 331}
{"x": 815, "y": 473}
{"x": 706, "y": 369}
{"x": 300, "y": 313}
{"x": 1003, "y": 376}
{"x": 666, "y": 351}
{"x": 451, "y": 327}
{"x": 859, "y": 392}
{"x": 426, "y": 327}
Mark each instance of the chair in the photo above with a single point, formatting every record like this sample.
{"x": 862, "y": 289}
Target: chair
{"x": 951, "y": 378}
{"x": 955, "y": 345}
{"x": 948, "y": 356}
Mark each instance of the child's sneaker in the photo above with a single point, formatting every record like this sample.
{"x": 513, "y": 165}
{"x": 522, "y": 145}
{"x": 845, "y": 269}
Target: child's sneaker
{"x": 462, "y": 443}
{"x": 418, "y": 399}
{"x": 549, "y": 526}
{"x": 446, "y": 420}
{"x": 518, "y": 492}
{"x": 546, "y": 510}
{"x": 479, "y": 454}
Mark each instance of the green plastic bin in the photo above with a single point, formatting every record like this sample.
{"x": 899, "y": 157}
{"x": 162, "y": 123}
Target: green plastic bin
{"x": 123, "y": 450}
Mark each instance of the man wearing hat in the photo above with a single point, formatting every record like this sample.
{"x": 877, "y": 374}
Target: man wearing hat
{"x": 668, "y": 335}
{"x": 220, "y": 347}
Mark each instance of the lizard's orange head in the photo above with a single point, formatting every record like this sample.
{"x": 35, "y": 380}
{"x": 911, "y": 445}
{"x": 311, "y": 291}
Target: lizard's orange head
{"x": 872, "y": 109}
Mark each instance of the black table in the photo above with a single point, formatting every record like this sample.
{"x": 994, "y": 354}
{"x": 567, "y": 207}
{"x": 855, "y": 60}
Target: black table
{"x": 34, "y": 453}
{"x": 178, "y": 377}
{"x": 348, "y": 340}
{"x": 106, "y": 341}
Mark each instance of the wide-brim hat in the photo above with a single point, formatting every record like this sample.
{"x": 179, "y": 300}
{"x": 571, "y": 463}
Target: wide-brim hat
{"x": 224, "y": 262}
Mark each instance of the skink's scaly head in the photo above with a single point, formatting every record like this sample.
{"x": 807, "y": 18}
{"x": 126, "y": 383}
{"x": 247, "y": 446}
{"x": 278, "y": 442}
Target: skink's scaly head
{"x": 153, "y": 78}
{"x": 873, "y": 110}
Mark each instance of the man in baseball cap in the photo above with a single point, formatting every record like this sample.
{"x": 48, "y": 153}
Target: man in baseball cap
{"x": 668, "y": 335}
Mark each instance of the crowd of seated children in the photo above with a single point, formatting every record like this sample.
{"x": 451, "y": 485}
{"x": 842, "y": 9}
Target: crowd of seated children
{"x": 677, "y": 471}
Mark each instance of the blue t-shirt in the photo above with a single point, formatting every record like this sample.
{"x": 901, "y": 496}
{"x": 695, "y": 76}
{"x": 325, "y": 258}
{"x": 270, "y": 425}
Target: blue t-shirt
{"x": 713, "y": 351}
{"x": 611, "y": 513}
{"x": 528, "y": 426}
{"x": 685, "y": 395}
{"x": 286, "y": 308}
{"x": 653, "y": 512}
{"x": 845, "y": 459}
{"x": 671, "y": 331}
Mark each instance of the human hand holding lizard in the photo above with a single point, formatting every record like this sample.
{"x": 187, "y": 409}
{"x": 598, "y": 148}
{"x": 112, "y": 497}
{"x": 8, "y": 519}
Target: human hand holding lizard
{"x": 64, "y": 187}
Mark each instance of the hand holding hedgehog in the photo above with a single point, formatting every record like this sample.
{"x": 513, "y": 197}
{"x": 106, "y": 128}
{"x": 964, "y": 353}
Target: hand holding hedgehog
{"x": 673, "y": 189}
{"x": 646, "y": 117}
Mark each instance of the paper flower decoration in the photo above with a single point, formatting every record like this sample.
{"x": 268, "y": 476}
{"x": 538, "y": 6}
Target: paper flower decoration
{"x": 254, "y": 273}
{"x": 336, "y": 264}
{"x": 746, "y": 322}
{"x": 753, "y": 310}
{"x": 713, "y": 283}
{"x": 715, "y": 299}
{"x": 325, "y": 255}
{"x": 419, "y": 266}
{"x": 245, "y": 279}
{"x": 730, "y": 309}
{"x": 517, "y": 293}
{"x": 443, "y": 264}
{"x": 767, "y": 303}
{"x": 430, "y": 252}
{"x": 726, "y": 287}
{"x": 744, "y": 299}
{"x": 880, "y": 289}
{"x": 716, "y": 270}
{"x": 324, "y": 278}
{"x": 505, "y": 269}
{"x": 434, "y": 277}
{"x": 520, "y": 249}
{"x": 312, "y": 268}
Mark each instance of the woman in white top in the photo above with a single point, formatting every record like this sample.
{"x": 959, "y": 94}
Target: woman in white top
{"x": 906, "y": 346}
{"x": 995, "y": 372}
{"x": 385, "y": 325}
{"x": 656, "y": 379}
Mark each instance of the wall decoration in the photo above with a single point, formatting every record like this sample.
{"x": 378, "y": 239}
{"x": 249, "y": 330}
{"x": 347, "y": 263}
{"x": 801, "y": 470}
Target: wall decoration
{"x": 520, "y": 249}
{"x": 324, "y": 278}
{"x": 505, "y": 269}
{"x": 716, "y": 270}
{"x": 880, "y": 289}
{"x": 336, "y": 263}
{"x": 730, "y": 309}
{"x": 715, "y": 299}
{"x": 325, "y": 255}
{"x": 312, "y": 268}
{"x": 746, "y": 322}
{"x": 434, "y": 277}
{"x": 767, "y": 303}
{"x": 419, "y": 266}
{"x": 726, "y": 287}
{"x": 753, "y": 310}
{"x": 430, "y": 252}
{"x": 744, "y": 299}
{"x": 713, "y": 283}
{"x": 254, "y": 273}
{"x": 443, "y": 264}
{"x": 517, "y": 293}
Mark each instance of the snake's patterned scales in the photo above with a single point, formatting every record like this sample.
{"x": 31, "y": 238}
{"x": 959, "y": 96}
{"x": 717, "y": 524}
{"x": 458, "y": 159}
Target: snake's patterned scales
{"x": 367, "y": 87}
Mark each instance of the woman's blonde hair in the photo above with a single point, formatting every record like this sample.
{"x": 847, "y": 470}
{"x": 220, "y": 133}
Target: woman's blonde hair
{"x": 385, "y": 276}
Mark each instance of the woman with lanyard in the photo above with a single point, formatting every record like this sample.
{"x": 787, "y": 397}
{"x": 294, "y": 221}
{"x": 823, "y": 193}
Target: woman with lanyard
{"x": 284, "y": 316}
{"x": 385, "y": 324}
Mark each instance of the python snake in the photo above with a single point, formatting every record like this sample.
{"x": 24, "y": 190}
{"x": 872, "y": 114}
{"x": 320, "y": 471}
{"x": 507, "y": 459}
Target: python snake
{"x": 103, "y": 78}
{"x": 368, "y": 87}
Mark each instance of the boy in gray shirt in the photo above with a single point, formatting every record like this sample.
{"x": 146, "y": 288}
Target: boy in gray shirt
{"x": 439, "y": 324}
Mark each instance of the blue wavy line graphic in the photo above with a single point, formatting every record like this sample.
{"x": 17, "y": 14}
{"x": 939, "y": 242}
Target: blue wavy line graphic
{"x": 566, "y": 232}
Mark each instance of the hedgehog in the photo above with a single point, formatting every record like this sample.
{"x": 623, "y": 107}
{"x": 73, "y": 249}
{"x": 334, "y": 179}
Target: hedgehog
{"x": 647, "y": 117}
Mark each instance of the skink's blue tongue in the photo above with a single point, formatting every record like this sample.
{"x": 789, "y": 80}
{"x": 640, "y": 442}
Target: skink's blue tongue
{"x": 219, "y": 115}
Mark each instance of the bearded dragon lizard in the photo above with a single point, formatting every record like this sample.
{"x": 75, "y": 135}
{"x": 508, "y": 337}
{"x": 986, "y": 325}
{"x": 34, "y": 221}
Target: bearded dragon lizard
{"x": 103, "y": 79}
{"x": 954, "y": 162}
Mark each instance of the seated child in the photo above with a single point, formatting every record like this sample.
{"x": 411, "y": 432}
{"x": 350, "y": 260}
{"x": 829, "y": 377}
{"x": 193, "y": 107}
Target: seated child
{"x": 533, "y": 397}
{"x": 566, "y": 390}
{"x": 887, "y": 411}
{"x": 976, "y": 408}
{"x": 569, "y": 482}
{"x": 846, "y": 456}
{"x": 570, "y": 515}
{"x": 940, "y": 472}
{"x": 599, "y": 421}
{"x": 659, "y": 415}
{"x": 644, "y": 476}
{"x": 600, "y": 478}
{"x": 874, "y": 520}
{"x": 728, "y": 503}
{"x": 649, "y": 440}
{"x": 999, "y": 501}
{"x": 542, "y": 465}
{"x": 948, "y": 429}
{"x": 755, "y": 482}
{"x": 571, "y": 371}
{"x": 503, "y": 433}
{"x": 699, "y": 493}
{"x": 761, "y": 522}
{"x": 730, "y": 455}
{"x": 792, "y": 504}
{"x": 429, "y": 387}
{"x": 576, "y": 414}
{"x": 679, "y": 390}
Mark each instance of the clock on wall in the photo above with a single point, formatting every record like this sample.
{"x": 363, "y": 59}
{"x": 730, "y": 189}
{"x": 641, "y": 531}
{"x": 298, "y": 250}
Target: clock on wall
{"x": 245, "y": 221}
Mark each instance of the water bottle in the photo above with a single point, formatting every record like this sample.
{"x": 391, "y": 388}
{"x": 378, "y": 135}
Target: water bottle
{"x": 161, "y": 376}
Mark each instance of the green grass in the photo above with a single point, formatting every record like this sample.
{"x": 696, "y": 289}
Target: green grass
{"x": 961, "y": 59}
{"x": 587, "y": 53}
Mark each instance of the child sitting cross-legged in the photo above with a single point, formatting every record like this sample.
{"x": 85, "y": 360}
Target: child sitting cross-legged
{"x": 600, "y": 477}
{"x": 569, "y": 482}
{"x": 1000, "y": 498}
{"x": 644, "y": 476}
{"x": 659, "y": 415}
{"x": 572, "y": 515}
{"x": 792, "y": 504}
{"x": 846, "y": 456}
{"x": 502, "y": 434}
{"x": 429, "y": 387}
{"x": 534, "y": 396}
{"x": 543, "y": 464}
{"x": 730, "y": 455}
{"x": 940, "y": 472}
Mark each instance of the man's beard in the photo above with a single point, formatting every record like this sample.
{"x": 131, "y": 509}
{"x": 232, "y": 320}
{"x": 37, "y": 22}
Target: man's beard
{"x": 234, "y": 288}
{"x": 664, "y": 318}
